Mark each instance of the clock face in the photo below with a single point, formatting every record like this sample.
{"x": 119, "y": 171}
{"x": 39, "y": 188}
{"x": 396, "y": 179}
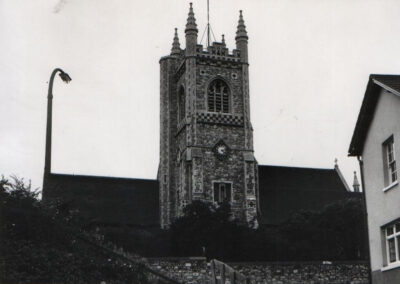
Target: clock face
{"x": 221, "y": 150}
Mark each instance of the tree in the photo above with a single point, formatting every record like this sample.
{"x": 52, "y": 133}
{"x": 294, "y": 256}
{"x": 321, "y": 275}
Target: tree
{"x": 204, "y": 225}
{"x": 39, "y": 247}
{"x": 336, "y": 232}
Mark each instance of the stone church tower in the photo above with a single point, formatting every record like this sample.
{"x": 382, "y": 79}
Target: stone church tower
{"x": 206, "y": 137}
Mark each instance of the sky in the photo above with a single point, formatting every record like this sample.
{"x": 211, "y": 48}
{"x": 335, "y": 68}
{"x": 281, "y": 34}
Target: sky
{"x": 309, "y": 66}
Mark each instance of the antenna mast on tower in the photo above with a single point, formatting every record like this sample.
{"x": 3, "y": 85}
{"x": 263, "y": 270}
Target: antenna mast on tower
{"x": 208, "y": 23}
{"x": 208, "y": 28}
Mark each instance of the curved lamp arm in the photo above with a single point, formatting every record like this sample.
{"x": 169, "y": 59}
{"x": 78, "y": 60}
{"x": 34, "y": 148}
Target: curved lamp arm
{"x": 66, "y": 78}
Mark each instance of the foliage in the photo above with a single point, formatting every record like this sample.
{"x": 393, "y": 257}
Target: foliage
{"x": 206, "y": 227}
{"x": 148, "y": 242}
{"x": 40, "y": 245}
{"x": 334, "y": 233}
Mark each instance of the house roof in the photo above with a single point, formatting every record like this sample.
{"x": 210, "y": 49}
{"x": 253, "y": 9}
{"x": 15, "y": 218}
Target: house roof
{"x": 108, "y": 200}
{"x": 284, "y": 190}
{"x": 376, "y": 82}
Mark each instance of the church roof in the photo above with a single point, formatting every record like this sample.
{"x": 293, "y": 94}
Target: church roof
{"x": 376, "y": 82}
{"x": 108, "y": 200}
{"x": 135, "y": 202}
{"x": 284, "y": 190}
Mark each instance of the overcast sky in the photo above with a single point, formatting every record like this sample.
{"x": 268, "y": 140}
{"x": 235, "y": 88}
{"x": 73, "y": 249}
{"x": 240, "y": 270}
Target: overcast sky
{"x": 309, "y": 66}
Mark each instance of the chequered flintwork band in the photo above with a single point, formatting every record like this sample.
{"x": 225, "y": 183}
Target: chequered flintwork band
{"x": 220, "y": 118}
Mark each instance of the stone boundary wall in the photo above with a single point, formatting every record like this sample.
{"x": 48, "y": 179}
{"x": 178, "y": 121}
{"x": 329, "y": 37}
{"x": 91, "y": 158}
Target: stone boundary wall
{"x": 316, "y": 272}
{"x": 196, "y": 270}
{"x": 188, "y": 270}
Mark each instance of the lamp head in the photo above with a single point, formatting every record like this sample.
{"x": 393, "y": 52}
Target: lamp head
{"x": 65, "y": 77}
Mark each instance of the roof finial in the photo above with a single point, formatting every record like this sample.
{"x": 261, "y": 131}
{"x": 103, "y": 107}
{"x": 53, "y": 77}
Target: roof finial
{"x": 241, "y": 28}
{"x": 176, "y": 48}
{"x": 191, "y": 21}
{"x": 336, "y": 163}
{"x": 223, "y": 39}
{"x": 356, "y": 184}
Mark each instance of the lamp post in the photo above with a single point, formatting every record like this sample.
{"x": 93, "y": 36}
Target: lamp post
{"x": 47, "y": 162}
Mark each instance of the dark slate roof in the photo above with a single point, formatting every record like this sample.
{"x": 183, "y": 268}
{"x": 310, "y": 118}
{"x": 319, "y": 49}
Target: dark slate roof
{"x": 284, "y": 190}
{"x": 135, "y": 202}
{"x": 390, "y": 81}
{"x": 375, "y": 83}
{"x": 108, "y": 200}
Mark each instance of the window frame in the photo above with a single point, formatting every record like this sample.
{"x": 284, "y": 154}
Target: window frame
{"x": 389, "y": 164}
{"x": 219, "y": 96}
{"x": 222, "y": 182}
{"x": 395, "y": 236}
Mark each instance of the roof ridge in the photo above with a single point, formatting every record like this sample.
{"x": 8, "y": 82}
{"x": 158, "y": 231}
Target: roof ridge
{"x": 297, "y": 167}
{"x": 105, "y": 177}
{"x": 384, "y": 75}
{"x": 376, "y": 82}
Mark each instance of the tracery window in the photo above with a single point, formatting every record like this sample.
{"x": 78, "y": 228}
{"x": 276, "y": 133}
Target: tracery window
{"x": 218, "y": 99}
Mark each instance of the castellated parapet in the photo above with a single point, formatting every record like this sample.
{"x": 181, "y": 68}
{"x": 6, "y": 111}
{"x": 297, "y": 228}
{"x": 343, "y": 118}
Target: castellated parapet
{"x": 206, "y": 137}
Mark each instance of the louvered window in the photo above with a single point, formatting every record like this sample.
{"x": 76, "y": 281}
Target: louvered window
{"x": 218, "y": 99}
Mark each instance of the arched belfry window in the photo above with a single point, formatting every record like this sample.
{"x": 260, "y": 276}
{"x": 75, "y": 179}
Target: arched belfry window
{"x": 181, "y": 103}
{"x": 218, "y": 96}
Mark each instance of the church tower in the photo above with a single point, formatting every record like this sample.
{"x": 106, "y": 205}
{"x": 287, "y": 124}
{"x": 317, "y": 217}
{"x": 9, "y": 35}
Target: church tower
{"x": 206, "y": 137}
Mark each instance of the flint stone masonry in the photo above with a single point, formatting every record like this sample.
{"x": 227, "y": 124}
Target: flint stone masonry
{"x": 217, "y": 118}
{"x": 198, "y": 270}
{"x": 188, "y": 270}
{"x": 304, "y": 272}
{"x": 188, "y": 166}
{"x": 206, "y": 74}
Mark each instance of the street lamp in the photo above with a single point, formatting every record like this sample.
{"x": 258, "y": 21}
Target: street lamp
{"x": 47, "y": 162}
{"x": 65, "y": 77}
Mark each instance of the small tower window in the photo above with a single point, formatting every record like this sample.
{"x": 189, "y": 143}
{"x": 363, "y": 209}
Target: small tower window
{"x": 181, "y": 104}
{"x": 222, "y": 192}
{"x": 218, "y": 97}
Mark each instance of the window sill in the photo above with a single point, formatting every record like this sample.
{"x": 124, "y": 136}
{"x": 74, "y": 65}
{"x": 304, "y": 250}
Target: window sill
{"x": 391, "y": 266}
{"x": 220, "y": 112}
{"x": 390, "y": 186}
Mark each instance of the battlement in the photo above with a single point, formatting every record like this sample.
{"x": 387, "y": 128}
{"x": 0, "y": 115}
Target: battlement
{"x": 218, "y": 50}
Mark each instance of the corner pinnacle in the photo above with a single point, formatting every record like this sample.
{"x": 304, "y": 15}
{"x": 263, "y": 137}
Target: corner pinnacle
{"x": 241, "y": 28}
{"x": 176, "y": 48}
{"x": 191, "y": 21}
